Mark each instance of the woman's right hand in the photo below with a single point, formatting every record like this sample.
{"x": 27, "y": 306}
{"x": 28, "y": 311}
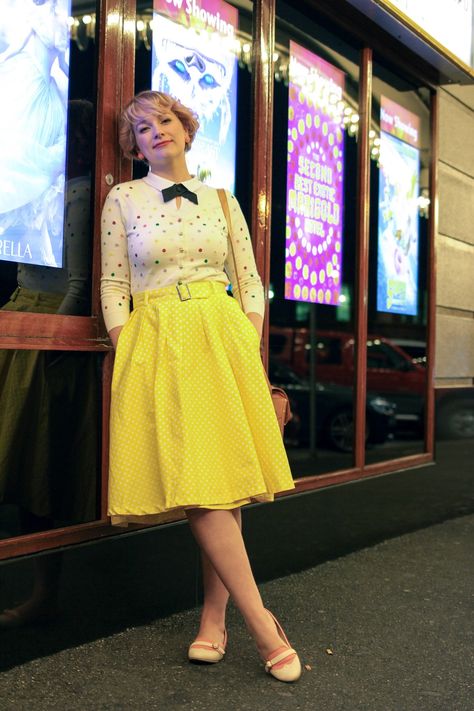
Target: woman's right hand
{"x": 114, "y": 334}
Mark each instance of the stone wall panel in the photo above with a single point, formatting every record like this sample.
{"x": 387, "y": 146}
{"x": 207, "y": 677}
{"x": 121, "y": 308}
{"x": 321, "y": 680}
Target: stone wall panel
{"x": 456, "y": 137}
{"x": 454, "y": 347}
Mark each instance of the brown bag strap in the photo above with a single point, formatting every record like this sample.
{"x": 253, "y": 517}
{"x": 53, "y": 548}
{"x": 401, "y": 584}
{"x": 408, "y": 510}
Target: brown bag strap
{"x": 225, "y": 210}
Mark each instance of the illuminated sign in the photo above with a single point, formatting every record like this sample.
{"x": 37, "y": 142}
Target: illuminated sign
{"x": 34, "y": 80}
{"x": 315, "y": 175}
{"x": 398, "y": 233}
{"x": 194, "y": 60}
{"x": 449, "y": 22}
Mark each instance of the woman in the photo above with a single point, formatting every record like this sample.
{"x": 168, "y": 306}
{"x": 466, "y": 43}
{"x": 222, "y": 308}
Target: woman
{"x": 192, "y": 423}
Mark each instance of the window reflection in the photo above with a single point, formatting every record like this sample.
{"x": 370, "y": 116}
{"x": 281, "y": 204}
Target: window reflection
{"x": 49, "y": 439}
{"x": 50, "y": 399}
{"x": 312, "y": 344}
{"x": 66, "y": 290}
{"x": 398, "y": 256}
{"x": 455, "y": 413}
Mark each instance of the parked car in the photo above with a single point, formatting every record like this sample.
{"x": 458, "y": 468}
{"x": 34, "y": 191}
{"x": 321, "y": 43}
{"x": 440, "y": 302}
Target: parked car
{"x": 415, "y": 349}
{"x": 454, "y": 406}
{"x": 391, "y": 372}
{"x": 334, "y": 425}
{"x": 395, "y": 371}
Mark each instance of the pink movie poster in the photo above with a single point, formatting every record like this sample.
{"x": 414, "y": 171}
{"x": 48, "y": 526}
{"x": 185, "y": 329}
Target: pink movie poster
{"x": 315, "y": 177}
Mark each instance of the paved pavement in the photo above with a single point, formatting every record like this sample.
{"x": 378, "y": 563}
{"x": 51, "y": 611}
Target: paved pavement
{"x": 388, "y": 628}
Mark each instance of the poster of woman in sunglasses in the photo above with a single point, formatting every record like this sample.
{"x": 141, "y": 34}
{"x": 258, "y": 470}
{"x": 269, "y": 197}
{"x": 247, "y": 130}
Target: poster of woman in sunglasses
{"x": 194, "y": 60}
{"x": 34, "y": 42}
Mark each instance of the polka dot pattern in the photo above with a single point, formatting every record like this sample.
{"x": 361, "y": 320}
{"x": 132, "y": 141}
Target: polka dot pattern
{"x": 149, "y": 244}
{"x": 188, "y": 385}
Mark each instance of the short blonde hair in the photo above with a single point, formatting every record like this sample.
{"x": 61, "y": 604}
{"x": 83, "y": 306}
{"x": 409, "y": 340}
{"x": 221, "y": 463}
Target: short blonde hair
{"x": 152, "y": 103}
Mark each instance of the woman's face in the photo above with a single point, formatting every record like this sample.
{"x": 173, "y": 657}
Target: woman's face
{"x": 161, "y": 138}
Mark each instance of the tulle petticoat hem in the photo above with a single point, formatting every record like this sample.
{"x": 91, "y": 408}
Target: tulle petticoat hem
{"x": 178, "y": 512}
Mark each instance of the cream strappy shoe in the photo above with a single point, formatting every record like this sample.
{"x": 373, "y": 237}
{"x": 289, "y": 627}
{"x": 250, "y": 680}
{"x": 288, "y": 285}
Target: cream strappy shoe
{"x": 201, "y": 650}
{"x": 286, "y": 672}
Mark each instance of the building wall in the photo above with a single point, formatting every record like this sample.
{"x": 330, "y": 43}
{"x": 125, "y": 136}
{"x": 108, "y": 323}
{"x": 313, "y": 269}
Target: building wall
{"x": 455, "y": 239}
{"x": 114, "y": 583}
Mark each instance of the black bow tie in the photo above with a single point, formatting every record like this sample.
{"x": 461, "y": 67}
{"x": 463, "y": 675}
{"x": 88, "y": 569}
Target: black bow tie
{"x": 179, "y": 190}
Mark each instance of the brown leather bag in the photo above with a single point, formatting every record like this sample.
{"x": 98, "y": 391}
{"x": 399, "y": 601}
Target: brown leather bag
{"x": 281, "y": 404}
{"x": 280, "y": 399}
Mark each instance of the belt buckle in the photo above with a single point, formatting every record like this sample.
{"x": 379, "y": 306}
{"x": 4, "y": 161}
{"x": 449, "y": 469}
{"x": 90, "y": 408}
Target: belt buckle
{"x": 182, "y": 297}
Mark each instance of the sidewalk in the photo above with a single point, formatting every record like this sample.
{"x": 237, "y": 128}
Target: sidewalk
{"x": 388, "y": 628}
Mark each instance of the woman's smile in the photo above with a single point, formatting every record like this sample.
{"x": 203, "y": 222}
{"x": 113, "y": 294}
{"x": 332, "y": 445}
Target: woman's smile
{"x": 161, "y": 144}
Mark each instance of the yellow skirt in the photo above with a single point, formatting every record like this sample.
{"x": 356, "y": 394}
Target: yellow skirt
{"x": 192, "y": 421}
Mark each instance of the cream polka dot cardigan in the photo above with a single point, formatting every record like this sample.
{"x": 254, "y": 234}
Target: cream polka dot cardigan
{"x": 149, "y": 244}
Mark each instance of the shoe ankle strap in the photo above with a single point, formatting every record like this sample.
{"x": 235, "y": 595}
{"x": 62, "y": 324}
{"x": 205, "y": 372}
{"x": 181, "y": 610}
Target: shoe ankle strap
{"x": 208, "y": 645}
{"x": 279, "y": 658}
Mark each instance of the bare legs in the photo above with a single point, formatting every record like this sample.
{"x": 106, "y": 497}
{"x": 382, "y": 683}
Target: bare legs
{"x": 216, "y": 596}
{"x": 227, "y": 570}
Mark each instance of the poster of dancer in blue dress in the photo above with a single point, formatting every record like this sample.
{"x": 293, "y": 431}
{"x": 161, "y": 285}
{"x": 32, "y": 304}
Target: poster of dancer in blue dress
{"x": 34, "y": 45}
{"x": 398, "y": 231}
{"x": 194, "y": 59}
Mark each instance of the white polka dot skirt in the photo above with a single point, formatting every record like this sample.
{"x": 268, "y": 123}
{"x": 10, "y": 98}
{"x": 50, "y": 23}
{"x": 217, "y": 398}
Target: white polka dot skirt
{"x": 192, "y": 421}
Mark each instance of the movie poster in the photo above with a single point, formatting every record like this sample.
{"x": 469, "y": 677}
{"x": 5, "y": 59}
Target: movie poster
{"x": 194, "y": 60}
{"x": 34, "y": 46}
{"x": 398, "y": 233}
{"x": 315, "y": 177}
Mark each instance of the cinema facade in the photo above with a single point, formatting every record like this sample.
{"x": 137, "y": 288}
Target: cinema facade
{"x": 345, "y": 130}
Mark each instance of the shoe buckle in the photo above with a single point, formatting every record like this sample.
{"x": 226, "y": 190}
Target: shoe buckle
{"x": 185, "y": 296}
